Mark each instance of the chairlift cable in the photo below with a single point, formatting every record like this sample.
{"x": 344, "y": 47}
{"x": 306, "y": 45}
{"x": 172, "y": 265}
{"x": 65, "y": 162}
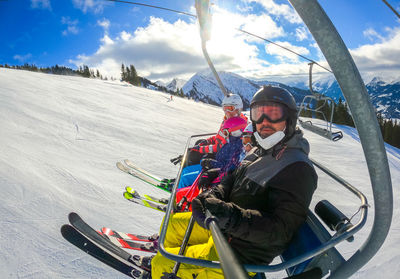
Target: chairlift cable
{"x": 390, "y": 7}
{"x": 152, "y": 6}
{"x": 238, "y": 29}
{"x": 312, "y": 61}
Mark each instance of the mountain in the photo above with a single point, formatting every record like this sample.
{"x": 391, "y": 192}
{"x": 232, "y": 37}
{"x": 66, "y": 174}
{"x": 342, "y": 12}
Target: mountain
{"x": 385, "y": 96}
{"x": 175, "y": 84}
{"x": 203, "y": 87}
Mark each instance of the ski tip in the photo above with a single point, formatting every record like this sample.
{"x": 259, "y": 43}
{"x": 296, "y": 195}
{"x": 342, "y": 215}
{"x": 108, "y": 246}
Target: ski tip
{"x": 129, "y": 189}
{"x": 72, "y": 216}
{"x": 65, "y": 229}
{"x": 127, "y": 195}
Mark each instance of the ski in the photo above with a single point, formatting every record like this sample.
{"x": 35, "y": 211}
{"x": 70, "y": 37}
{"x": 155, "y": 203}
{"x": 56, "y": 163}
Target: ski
{"x": 130, "y": 164}
{"x": 129, "y": 244}
{"x": 129, "y": 236}
{"x": 143, "y": 177}
{"x": 102, "y": 241}
{"x": 144, "y": 202}
{"x": 147, "y": 197}
{"x": 72, "y": 235}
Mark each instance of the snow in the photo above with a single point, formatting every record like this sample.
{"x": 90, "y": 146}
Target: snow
{"x": 61, "y": 137}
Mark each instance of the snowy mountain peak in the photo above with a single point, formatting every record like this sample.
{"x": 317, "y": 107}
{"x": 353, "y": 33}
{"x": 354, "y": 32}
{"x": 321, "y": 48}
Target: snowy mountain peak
{"x": 176, "y": 84}
{"x": 204, "y": 87}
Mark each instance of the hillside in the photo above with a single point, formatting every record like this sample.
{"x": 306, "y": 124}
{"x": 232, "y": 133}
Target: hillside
{"x": 61, "y": 137}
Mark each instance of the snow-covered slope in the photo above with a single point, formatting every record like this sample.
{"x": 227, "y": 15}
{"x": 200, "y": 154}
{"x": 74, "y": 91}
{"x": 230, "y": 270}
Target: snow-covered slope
{"x": 60, "y": 139}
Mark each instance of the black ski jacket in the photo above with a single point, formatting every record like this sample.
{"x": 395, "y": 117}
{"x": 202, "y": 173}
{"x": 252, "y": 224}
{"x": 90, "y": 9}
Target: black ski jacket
{"x": 267, "y": 215}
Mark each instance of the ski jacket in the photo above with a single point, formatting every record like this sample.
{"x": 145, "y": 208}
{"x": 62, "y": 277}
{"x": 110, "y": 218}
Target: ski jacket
{"x": 271, "y": 192}
{"x": 227, "y": 158}
{"x": 214, "y": 144}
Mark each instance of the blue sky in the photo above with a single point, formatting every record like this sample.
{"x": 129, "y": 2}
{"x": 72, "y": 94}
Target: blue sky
{"x": 163, "y": 45}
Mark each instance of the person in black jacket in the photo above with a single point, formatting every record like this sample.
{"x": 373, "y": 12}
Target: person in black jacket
{"x": 262, "y": 204}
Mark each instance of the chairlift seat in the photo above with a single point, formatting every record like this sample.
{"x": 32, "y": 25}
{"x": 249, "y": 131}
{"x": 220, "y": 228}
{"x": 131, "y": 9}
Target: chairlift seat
{"x": 311, "y": 235}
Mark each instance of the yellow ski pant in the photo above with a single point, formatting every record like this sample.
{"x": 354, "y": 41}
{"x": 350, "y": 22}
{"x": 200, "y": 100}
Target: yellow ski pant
{"x": 200, "y": 246}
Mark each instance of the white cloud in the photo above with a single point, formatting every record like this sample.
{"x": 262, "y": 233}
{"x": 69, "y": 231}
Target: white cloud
{"x": 105, "y": 23}
{"x": 95, "y": 6}
{"x": 279, "y": 10}
{"x": 285, "y": 55}
{"x": 71, "y": 26}
{"x": 22, "y": 58}
{"x": 302, "y": 33}
{"x": 163, "y": 50}
{"x": 41, "y": 4}
{"x": 380, "y": 58}
{"x": 371, "y": 34}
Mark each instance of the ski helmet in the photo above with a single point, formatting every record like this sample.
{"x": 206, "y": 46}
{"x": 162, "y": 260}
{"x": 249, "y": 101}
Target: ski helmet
{"x": 233, "y": 100}
{"x": 234, "y": 126}
{"x": 248, "y": 130}
{"x": 274, "y": 94}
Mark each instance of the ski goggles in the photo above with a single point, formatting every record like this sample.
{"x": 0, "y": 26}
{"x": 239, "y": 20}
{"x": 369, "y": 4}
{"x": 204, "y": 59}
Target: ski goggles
{"x": 273, "y": 112}
{"x": 229, "y": 108}
{"x": 246, "y": 140}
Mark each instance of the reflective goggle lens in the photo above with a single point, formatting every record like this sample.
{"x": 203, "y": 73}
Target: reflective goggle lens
{"x": 273, "y": 112}
{"x": 229, "y": 108}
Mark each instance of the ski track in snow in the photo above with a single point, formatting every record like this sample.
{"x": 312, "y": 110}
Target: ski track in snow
{"x": 61, "y": 137}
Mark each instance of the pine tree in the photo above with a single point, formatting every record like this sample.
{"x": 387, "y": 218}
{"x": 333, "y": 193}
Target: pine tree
{"x": 134, "y": 77}
{"x": 123, "y": 73}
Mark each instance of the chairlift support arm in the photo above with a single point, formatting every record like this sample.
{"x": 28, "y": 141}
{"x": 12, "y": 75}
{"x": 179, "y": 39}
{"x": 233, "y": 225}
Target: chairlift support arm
{"x": 204, "y": 17}
{"x": 353, "y": 88}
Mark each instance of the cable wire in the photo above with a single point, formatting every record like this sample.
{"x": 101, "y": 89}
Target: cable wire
{"x": 395, "y": 12}
{"x": 240, "y": 30}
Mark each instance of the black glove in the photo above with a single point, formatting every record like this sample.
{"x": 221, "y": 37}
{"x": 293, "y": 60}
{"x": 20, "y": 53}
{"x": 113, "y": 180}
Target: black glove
{"x": 207, "y": 177}
{"x": 208, "y": 163}
{"x": 227, "y": 213}
{"x": 201, "y": 142}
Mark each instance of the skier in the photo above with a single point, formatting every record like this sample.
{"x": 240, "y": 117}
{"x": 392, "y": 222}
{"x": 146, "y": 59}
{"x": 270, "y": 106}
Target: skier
{"x": 226, "y": 159}
{"x": 232, "y": 105}
{"x": 261, "y": 204}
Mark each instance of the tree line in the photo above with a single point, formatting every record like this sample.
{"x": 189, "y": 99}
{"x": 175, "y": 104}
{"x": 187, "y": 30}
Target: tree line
{"x": 83, "y": 71}
{"x": 390, "y": 129}
{"x": 129, "y": 74}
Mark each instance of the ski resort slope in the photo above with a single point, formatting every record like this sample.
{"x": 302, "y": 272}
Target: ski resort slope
{"x": 61, "y": 137}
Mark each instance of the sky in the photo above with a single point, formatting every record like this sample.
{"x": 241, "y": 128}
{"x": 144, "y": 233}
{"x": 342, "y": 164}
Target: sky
{"x": 163, "y": 45}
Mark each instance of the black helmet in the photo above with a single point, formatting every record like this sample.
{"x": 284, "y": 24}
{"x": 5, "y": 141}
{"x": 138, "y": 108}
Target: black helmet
{"x": 282, "y": 96}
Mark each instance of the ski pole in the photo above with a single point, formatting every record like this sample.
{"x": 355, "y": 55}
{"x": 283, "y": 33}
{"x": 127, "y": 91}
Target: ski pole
{"x": 188, "y": 194}
{"x": 184, "y": 243}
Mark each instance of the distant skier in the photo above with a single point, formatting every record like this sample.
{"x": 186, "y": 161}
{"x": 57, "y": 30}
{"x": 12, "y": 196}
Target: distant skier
{"x": 259, "y": 206}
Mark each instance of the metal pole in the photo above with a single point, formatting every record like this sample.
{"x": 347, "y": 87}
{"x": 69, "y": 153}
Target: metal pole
{"x": 231, "y": 266}
{"x": 353, "y": 88}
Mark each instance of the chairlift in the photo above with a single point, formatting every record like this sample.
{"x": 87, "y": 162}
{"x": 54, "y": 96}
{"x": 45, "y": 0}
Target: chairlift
{"x": 312, "y": 252}
{"x": 321, "y": 103}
